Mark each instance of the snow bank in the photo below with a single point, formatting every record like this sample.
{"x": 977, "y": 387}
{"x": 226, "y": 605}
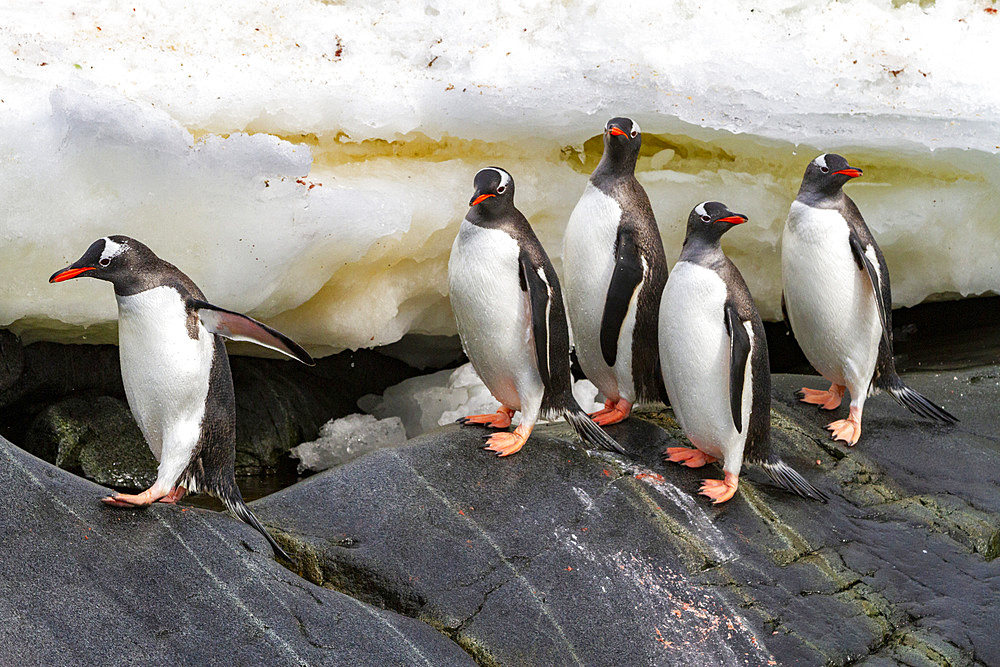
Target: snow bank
{"x": 309, "y": 163}
{"x": 345, "y": 439}
{"x": 437, "y": 399}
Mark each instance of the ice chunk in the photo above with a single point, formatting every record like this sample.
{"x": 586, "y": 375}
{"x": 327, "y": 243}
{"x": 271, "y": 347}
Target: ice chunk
{"x": 427, "y": 401}
{"x": 345, "y": 439}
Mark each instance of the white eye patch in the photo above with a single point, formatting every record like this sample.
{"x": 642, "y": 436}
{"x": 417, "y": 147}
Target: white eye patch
{"x": 700, "y": 209}
{"x": 821, "y": 161}
{"x": 112, "y": 249}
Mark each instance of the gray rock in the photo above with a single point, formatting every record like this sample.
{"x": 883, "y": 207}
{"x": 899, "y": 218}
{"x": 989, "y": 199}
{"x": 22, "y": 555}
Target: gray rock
{"x": 83, "y": 583}
{"x": 559, "y": 556}
{"x": 96, "y": 438}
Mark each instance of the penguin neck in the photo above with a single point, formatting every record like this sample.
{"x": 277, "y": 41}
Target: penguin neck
{"x": 616, "y": 163}
{"x": 811, "y": 195}
{"x": 492, "y": 217}
{"x": 703, "y": 251}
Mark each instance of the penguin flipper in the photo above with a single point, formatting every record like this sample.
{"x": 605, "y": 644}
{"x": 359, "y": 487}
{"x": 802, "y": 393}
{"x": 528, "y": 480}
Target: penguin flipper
{"x": 865, "y": 264}
{"x": 626, "y": 277}
{"x": 535, "y": 283}
{"x": 739, "y": 352}
{"x": 236, "y": 326}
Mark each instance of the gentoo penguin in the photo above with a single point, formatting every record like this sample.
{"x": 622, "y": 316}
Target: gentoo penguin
{"x": 510, "y": 318}
{"x": 176, "y": 372}
{"x": 713, "y": 351}
{"x": 835, "y": 293}
{"x": 615, "y": 270}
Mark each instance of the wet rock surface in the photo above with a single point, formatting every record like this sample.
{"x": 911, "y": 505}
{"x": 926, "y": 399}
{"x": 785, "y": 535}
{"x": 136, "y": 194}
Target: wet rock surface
{"x": 561, "y": 556}
{"x": 83, "y": 583}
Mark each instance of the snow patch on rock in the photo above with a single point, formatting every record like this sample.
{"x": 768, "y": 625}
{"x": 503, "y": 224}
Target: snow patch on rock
{"x": 345, "y": 439}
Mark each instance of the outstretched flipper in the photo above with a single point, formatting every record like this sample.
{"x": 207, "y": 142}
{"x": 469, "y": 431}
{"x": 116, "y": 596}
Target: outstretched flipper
{"x": 625, "y": 279}
{"x": 237, "y": 326}
{"x": 739, "y": 352}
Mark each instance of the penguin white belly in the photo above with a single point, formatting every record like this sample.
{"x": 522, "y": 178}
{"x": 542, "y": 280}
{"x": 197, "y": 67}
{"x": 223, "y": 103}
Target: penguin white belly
{"x": 695, "y": 358}
{"x": 493, "y": 316}
{"x": 588, "y": 264}
{"x": 165, "y": 372}
{"x": 830, "y": 301}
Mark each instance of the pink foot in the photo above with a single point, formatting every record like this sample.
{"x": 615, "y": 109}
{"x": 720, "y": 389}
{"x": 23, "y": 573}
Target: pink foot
{"x": 133, "y": 500}
{"x": 505, "y": 444}
{"x": 176, "y": 494}
{"x": 612, "y": 412}
{"x": 827, "y": 400}
{"x": 499, "y": 419}
{"x": 720, "y": 490}
{"x": 688, "y": 456}
{"x": 847, "y": 430}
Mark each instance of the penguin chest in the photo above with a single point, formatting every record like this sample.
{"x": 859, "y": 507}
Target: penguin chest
{"x": 165, "y": 362}
{"x": 493, "y": 315}
{"x": 588, "y": 264}
{"x": 830, "y": 301}
{"x": 695, "y": 355}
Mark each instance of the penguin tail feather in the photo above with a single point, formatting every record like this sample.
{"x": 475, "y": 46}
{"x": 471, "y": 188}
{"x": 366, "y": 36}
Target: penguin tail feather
{"x": 234, "y": 503}
{"x": 917, "y": 403}
{"x": 589, "y": 432}
{"x": 787, "y": 478}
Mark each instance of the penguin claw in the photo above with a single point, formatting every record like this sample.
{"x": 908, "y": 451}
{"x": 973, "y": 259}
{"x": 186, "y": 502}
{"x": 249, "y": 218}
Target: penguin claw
{"x": 176, "y": 494}
{"x": 720, "y": 490}
{"x": 688, "y": 456}
{"x": 826, "y": 400}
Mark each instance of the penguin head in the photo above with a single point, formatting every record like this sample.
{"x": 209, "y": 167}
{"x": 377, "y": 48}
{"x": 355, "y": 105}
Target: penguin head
{"x": 622, "y": 140}
{"x": 827, "y": 174}
{"x": 112, "y": 258}
{"x": 709, "y": 220}
{"x": 494, "y": 191}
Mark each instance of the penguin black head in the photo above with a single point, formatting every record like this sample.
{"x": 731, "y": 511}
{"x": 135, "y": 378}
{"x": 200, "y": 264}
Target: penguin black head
{"x": 827, "y": 174}
{"x": 622, "y": 141}
{"x": 116, "y": 259}
{"x": 494, "y": 192}
{"x": 710, "y": 220}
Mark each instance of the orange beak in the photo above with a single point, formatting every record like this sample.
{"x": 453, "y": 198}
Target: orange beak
{"x": 734, "y": 219}
{"x": 851, "y": 171}
{"x": 615, "y": 131}
{"x": 66, "y": 274}
{"x": 480, "y": 199}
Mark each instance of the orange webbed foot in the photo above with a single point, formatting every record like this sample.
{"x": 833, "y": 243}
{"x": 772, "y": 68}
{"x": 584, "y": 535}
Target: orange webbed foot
{"x": 847, "y": 430}
{"x": 499, "y": 419}
{"x": 720, "y": 490}
{"x": 826, "y": 400}
{"x": 612, "y": 413}
{"x": 688, "y": 456}
{"x": 505, "y": 444}
{"x": 147, "y": 497}
{"x": 176, "y": 494}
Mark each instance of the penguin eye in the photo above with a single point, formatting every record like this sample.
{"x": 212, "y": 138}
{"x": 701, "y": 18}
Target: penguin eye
{"x": 825, "y": 170}
{"x": 634, "y": 133}
{"x": 104, "y": 261}
{"x": 502, "y": 189}
{"x": 706, "y": 218}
